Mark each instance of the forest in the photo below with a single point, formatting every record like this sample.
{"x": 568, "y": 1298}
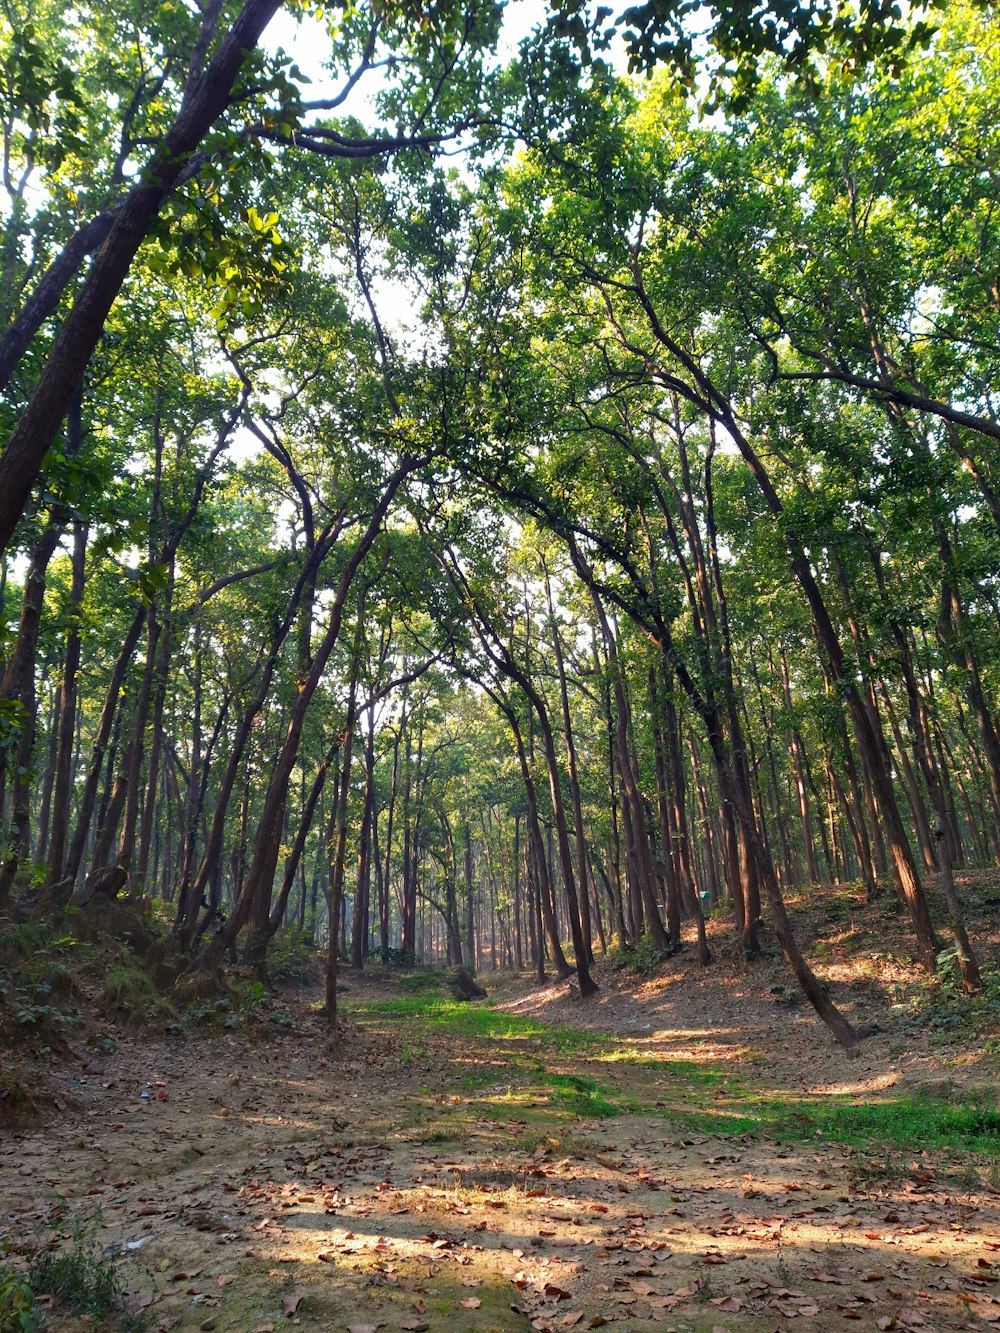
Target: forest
{"x": 499, "y": 608}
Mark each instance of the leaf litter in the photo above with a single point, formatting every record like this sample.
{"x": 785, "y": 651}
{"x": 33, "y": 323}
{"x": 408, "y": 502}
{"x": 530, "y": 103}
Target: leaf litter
{"x": 287, "y": 1182}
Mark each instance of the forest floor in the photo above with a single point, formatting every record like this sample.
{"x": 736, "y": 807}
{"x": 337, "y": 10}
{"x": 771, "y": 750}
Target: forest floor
{"x": 687, "y": 1151}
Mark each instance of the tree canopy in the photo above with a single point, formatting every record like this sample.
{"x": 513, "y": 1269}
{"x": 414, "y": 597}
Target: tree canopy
{"x": 500, "y": 505}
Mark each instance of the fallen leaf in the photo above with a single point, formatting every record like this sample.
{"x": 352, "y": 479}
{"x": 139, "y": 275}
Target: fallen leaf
{"x": 471, "y": 1302}
{"x": 290, "y": 1304}
{"x": 555, "y": 1292}
{"x": 730, "y": 1304}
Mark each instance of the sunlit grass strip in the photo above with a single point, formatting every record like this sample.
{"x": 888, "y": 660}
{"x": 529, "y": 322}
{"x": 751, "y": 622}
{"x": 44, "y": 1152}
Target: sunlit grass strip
{"x": 913, "y": 1124}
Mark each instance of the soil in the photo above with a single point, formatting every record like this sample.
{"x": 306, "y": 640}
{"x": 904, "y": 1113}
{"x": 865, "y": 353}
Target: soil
{"x": 406, "y": 1176}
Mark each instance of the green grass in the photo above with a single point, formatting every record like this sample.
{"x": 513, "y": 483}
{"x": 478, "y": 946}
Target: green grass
{"x": 582, "y": 1096}
{"x": 481, "y": 1021}
{"x": 910, "y": 1123}
{"x": 914, "y": 1123}
{"x": 701, "y": 1097}
{"x": 424, "y": 981}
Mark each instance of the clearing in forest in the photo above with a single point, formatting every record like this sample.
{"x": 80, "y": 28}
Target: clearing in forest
{"x": 529, "y": 1162}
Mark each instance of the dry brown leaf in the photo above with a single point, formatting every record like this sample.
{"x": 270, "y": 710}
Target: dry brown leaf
{"x": 731, "y": 1304}
{"x": 912, "y": 1318}
{"x": 555, "y": 1292}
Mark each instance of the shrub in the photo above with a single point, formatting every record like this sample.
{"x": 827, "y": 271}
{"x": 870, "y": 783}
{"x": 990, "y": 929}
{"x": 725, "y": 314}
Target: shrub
{"x": 17, "y": 1303}
{"x": 636, "y": 959}
{"x": 80, "y": 1279}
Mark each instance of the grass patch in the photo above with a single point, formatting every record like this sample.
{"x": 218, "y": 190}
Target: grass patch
{"x": 84, "y": 1281}
{"x": 582, "y": 1096}
{"x": 912, "y": 1124}
{"x": 425, "y": 981}
{"x": 480, "y": 1021}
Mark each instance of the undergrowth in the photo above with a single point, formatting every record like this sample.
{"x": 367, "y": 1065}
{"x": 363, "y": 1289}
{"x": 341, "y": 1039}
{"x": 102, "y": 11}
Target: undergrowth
{"x": 80, "y": 1280}
{"x": 18, "y": 1313}
{"x": 942, "y": 1008}
{"x": 638, "y": 960}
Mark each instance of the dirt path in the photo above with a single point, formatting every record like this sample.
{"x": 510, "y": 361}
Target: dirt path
{"x": 480, "y": 1171}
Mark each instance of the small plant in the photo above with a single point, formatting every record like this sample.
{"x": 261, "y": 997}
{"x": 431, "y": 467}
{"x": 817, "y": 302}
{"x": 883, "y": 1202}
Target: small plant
{"x": 636, "y": 959}
{"x": 942, "y": 1008}
{"x": 128, "y": 987}
{"x": 292, "y": 958}
{"x": 210, "y": 1012}
{"x": 17, "y": 1303}
{"x": 35, "y": 1012}
{"x": 250, "y": 994}
{"x": 397, "y": 957}
{"x": 84, "y": 1281}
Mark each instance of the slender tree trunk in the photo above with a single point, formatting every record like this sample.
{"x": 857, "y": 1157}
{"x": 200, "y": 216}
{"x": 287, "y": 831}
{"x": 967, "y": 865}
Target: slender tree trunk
{"x": 67, "y": 715}
{"x": 18, "y": 685}
{"x": 266, "y": 844}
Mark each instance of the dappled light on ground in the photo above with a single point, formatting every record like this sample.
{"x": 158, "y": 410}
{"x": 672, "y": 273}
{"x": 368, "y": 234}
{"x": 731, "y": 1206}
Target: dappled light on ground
{"x": 474, "y": 1168}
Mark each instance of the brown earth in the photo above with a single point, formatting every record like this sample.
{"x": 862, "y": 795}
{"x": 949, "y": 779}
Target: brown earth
{"x": 430, "y": 1176}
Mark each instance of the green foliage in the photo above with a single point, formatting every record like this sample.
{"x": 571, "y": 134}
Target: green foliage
{"x": 129, "y": 988}
{"x": 292, "y": 958}
{"x": 18, "y": 1313}
{"x": 36, "y": 976}
{"x": 942, "y": 1006}
{"x": 640, "y": 959}
{"x": 425, "y": 981}
{"x": 582, "y": 1096}
{"x": 84, "y": 1280}
{"x": 400, "y": 958}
